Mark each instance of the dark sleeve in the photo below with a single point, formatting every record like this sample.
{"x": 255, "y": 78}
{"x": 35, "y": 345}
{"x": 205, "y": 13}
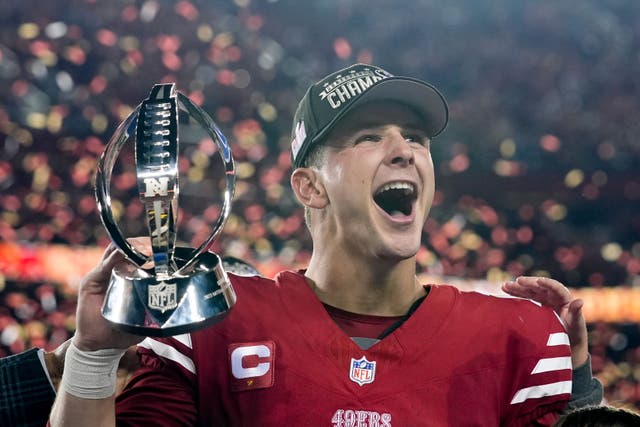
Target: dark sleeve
{"x": 585, "y": 390}
{"x": 26, "y": 394}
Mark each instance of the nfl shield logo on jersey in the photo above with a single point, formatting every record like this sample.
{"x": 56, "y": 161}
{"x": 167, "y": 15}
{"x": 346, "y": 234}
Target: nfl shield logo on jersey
{"x": 362, "y": 371}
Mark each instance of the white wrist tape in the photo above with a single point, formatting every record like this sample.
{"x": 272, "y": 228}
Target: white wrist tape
{"x": 90, "y": 374}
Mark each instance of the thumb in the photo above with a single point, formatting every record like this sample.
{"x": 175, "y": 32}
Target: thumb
{"x": 575, "y": 307}
{"x": 575, "y": 321}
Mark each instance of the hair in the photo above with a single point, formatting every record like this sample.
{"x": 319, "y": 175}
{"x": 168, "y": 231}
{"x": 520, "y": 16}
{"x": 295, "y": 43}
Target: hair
{"x": 315, "y": 158}
{"x": 599, "y": 416}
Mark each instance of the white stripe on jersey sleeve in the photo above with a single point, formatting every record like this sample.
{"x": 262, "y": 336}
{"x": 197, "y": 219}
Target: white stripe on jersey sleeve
{"x": 558, "y": 338}
{"x": 538, "y": 391}
{"x": 168, "y": 352}
{"x": 552, "y": 364}
{"x": 184, "y": 339}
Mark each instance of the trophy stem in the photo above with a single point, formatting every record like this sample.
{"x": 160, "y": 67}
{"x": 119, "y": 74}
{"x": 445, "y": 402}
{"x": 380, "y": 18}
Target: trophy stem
{"x": 157, "y": 171}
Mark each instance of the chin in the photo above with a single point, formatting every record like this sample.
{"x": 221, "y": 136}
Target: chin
{"x": 400, "y": 253}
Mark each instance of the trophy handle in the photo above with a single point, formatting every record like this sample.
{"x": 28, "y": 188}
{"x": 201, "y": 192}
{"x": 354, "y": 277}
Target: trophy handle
{"x": 105, "y": 168}
{"x": 230, "y": 174}
{"x": 102, "y": 187}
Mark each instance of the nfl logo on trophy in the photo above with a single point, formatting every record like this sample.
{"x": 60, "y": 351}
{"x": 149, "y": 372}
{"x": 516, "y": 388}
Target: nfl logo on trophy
{"x": 163, "y": 296}
{"x": 176, "y": 289}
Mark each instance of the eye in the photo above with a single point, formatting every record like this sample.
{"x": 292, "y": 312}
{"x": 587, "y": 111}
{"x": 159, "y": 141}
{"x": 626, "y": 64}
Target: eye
{"x": 368, "y": 137}
{"x": 417, "y": 138}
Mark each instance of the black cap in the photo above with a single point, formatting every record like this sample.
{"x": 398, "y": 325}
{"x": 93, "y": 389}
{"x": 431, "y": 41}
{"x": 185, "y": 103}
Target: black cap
{"x": 327, "y": 101}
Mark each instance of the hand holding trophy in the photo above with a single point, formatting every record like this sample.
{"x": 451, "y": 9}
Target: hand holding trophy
{"x": 185, "y": 289}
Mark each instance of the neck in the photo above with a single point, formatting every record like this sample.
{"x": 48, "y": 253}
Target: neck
{"x": 365, "y": 286}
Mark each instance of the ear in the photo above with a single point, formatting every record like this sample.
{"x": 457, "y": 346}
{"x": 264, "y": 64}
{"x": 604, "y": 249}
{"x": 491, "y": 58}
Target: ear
{"x": 308, "y": 187}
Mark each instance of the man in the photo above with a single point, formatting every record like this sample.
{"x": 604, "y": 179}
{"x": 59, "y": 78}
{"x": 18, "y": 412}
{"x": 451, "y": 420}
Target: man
{"x": 354, "y": 340}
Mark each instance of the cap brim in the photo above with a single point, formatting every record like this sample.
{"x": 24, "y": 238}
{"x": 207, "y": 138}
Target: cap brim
{"x": 425, "y": 99}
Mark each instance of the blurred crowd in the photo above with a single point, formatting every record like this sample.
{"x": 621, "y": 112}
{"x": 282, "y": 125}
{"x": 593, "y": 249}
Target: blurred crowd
{"x": 536, "y": 174}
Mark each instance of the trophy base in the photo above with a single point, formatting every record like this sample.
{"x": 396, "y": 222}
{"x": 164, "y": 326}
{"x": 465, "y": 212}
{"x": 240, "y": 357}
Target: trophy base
{"x": 141, "y": 304}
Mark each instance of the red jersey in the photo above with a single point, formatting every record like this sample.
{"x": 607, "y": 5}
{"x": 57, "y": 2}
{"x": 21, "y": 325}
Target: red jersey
{"x": 278, "y": 359}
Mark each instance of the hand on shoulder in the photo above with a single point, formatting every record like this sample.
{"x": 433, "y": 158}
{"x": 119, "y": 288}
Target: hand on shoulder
{"x": 553, "y": 294}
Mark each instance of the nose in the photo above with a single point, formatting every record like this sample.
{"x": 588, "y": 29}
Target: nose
{"x": 400, "y": 151}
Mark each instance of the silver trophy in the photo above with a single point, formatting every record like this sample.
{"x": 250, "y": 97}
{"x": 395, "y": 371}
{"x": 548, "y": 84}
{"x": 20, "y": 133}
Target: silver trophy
{"x": 185, "y": 289}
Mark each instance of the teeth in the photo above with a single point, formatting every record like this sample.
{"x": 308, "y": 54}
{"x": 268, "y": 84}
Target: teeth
{"x": 396, "y": 186}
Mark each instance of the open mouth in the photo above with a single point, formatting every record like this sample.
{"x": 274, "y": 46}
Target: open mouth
{"x": 396, "y": 198}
